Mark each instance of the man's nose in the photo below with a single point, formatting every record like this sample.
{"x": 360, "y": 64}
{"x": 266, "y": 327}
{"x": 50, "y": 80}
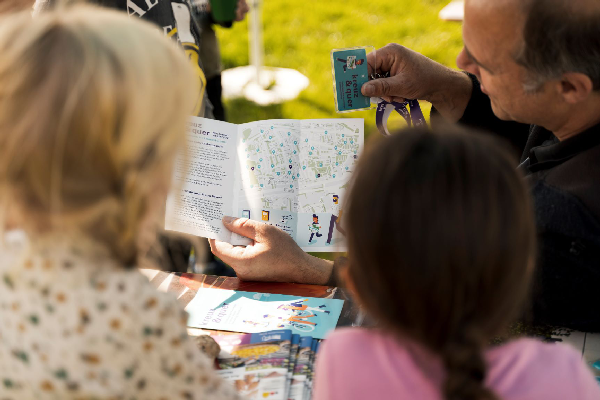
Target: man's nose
{"x": 462, "y": 60}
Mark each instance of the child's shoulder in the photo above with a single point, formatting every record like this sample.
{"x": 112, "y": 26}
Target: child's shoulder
{"x": 533, "y": 351}
{"x": 345, "y": 336}
{"x": 360, "y": 363}
{"x": 548, "y": 370}
{"x": 364, "y": 344}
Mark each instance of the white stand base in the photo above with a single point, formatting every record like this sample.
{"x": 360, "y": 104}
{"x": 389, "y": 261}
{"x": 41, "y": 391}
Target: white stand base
{"x": 453, "y": 11}
{"x": 278, "y": 84}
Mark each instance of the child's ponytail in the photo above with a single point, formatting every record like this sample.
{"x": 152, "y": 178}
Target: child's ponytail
{"x": 465, "y": 369}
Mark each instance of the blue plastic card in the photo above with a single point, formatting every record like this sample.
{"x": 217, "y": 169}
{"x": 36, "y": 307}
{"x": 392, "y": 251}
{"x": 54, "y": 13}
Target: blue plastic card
{"x": 350, "y": 72}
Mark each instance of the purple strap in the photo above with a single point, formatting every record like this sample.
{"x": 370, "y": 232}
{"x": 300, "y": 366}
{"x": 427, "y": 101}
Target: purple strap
{"x": 384, "y": 109}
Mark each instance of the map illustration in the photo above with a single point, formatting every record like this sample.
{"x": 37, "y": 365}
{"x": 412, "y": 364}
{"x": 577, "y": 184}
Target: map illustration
{"x": 292, "y": 171}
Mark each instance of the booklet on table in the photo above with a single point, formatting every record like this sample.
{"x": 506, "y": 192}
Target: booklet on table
{"x": 256, "y": 363}
{"x": 275, "y": 364}
{"x": 292, "y": 174}
{"x": 236, "y": 311}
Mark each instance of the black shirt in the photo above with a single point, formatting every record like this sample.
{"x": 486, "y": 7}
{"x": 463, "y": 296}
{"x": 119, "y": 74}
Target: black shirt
{"x": 565, "y": 184}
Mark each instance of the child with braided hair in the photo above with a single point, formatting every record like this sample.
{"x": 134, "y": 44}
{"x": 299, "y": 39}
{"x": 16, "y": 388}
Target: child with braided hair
{"x": 441, "y": 236}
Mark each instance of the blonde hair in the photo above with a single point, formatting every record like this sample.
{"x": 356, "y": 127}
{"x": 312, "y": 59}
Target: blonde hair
{"x": 93, "y": 109}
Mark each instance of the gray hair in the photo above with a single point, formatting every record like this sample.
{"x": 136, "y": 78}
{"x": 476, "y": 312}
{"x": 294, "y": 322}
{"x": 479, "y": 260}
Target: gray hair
{"x": 560, "y": 36}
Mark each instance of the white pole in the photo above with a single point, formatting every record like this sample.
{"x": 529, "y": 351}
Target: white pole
{"x": 256, "y": 41}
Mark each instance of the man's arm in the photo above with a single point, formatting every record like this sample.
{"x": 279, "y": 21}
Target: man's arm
{"x": 272, "y": 256}
{"x": 455, "y": 96}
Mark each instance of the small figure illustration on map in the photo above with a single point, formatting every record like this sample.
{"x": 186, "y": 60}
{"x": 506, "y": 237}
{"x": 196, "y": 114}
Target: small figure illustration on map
{"x": 314, "y": 228}
{"x": 293, "y": 319}
{"x": 351, "y": 62}
{"x": 298, "y": 306}
{"x": 257, "y": 324}
{"x": 336, "y": 216}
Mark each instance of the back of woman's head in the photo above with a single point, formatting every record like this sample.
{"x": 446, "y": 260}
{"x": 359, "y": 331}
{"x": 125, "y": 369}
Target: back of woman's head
{"x": 441, "y": 236}
{"x": 93, "y": 108}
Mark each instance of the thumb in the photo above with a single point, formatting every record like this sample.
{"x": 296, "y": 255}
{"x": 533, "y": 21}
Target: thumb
{"x": 379, "y": 88}
{"x": 245, "y": 227}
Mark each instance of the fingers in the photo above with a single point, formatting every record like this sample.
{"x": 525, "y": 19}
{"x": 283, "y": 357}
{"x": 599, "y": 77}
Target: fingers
{"x": 385, "y": 59}
{"x": 246, "y": 227}
{"x": 384, "y": 87}
{"x": 242, "y": 9}
{"x": 226, "y": 252}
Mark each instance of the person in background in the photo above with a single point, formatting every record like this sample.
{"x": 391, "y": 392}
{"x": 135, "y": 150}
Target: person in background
{"x": 210, "y": 53}
{"x": 90, "y": 125}
{"x": 536, "y": 85}
{"x": 441, "y": 255}
{"x": 176, "y": 20}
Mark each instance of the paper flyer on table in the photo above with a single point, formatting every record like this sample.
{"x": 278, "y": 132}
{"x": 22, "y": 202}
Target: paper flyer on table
{"x": 292, "y": 174}
{"x": 250, "y": 312}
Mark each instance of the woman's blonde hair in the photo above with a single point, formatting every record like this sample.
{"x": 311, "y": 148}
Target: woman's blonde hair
{"x": 93, "y": 109}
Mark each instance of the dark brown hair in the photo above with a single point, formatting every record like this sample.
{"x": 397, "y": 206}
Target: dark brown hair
{"x": 441, "y": 235}
{"x": 561, "y": 36}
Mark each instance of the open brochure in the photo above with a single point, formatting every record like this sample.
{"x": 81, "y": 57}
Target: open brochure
{"x": 289, "y": 173}
{"x": 249, "y": 312}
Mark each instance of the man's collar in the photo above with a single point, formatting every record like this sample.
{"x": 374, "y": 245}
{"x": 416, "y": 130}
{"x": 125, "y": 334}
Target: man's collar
{"x": 550, "y": 152}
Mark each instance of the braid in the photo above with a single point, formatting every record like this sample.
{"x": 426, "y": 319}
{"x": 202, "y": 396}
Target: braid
{"x": 466, "y": 370}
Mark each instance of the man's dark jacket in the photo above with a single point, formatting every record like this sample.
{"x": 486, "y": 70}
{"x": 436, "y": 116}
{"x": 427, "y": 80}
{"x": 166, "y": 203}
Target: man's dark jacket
{"x": 565, "y": 183}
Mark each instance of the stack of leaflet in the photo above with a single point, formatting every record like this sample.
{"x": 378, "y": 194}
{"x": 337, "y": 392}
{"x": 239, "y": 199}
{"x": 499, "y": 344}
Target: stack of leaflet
{"x": 274, "y": 365}
{"x": 302, "y": 377}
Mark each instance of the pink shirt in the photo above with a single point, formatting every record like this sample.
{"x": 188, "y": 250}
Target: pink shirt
{"x": 357, "y": 363}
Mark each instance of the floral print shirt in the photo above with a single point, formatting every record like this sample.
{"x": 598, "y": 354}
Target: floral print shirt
{"x": 74, "y": 324}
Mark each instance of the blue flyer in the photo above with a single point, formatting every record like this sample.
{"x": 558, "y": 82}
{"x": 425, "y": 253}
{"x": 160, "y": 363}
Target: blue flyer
{"x": 250, "y": 312}
{"x": 350, "y": 72}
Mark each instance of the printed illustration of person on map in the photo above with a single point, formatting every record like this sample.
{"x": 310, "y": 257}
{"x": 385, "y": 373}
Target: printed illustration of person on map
{"x": 314, "y": 228}
{"x": 336, "y": 216}
{"x": 298, "y": 306}
{"x": 293, "y": 319}
{"x": 351, "y": 62}
{"x": 256, "y": 324}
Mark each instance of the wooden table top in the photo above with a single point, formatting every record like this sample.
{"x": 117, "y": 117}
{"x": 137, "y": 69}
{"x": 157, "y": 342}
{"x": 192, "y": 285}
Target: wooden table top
{"x": 185, "y": 286}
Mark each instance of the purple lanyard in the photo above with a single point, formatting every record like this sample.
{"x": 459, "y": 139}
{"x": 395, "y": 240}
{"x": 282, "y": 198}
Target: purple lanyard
{"x": 384, "y": 109}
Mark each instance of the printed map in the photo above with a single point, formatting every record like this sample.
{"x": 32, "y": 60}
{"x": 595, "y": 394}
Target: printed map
{"x": 298, "y": 166}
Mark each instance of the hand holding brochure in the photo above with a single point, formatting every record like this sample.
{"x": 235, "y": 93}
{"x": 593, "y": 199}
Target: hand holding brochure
{"x": 292, "y": 174}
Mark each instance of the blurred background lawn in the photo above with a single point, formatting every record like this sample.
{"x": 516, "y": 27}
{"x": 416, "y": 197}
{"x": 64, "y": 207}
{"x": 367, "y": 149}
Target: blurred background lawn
{"x": 301, "y": 34}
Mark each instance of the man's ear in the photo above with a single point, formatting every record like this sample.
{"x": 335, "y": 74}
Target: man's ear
{"x": 575, "y": 87}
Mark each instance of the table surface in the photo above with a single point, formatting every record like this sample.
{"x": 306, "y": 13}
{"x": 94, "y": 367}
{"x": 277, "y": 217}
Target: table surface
{"x": 185, "y": 287}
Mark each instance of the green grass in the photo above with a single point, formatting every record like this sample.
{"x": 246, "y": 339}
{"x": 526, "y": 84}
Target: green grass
{"x": 300, "y": 35}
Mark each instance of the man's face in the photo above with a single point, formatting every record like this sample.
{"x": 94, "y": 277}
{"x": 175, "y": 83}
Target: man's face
{"x": 492, "y": 35}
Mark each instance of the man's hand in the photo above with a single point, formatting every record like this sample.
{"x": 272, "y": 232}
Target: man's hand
{"x": 273, "y": 255}
{"x": 241, "y": 10}
{"x": 414, "y": 76}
